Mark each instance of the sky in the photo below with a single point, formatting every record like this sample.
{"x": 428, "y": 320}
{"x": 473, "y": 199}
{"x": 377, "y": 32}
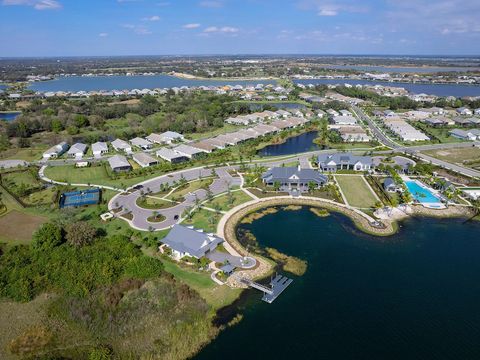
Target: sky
{"x": 200, "y": 27}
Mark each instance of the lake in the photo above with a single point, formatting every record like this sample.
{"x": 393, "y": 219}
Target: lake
{"x": 430, "y": 89}
{"x": 292, "y": 145}
{"x": 414, "y": 295}
{"x": 9, "y": 116}
{"x": 122, "y": 82}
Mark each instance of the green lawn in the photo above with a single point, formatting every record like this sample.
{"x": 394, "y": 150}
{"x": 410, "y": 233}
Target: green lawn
{"x": 27, "y": 154}
{"x": 224, "y": 203}
{"x": 215, "y": 295}
{"x": 204, "y": 219}
{"x": 223, "y": 130}
{"x": 154, "y": 204}
{"x": 183, "y": 190}
{"x": 458, "y": 155}
{"x": 356, "y": 191}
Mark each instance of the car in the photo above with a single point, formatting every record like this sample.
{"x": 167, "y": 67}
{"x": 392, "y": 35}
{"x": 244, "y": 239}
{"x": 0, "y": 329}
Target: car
{"x": 175, "y": 217}
{"x": 138, "y": 187}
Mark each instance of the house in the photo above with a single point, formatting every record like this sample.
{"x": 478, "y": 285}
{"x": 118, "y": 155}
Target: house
{"x": 77, "y": 150}
{"x": 389, "y": 113}
{"x": 171, "y": 156}
{"x": 99, "y": 149}
{"x": 345, "y": 113}
{"x": 344, "y": 120}
{"x": 353, "y": 134}
{"x": 461, "y": 121}
{"x": 165, "y": 138}
{"x": 464, "y": 134}
{"x": 390, "y": 185}
{"x": 293, "y": 178}
{"x": 121, "y": 145}
{"x": 344, "y": 161}
{"x": 141, "y": 143}
{"x": 187, "y": 241}
{"x": 464, "y": 111}
{"x": 188, "y": 151}
{"x": 55, "y": 151}
{"x": 119, "y": 163}
{"x": 477, "y": 111}
{"x": 144, "y": 160}
{"x": 205, "y": 146}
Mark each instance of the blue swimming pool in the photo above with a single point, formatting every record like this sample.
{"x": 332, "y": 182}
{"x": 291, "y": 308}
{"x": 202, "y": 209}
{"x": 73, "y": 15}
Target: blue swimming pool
{"x": 421, "y": 194}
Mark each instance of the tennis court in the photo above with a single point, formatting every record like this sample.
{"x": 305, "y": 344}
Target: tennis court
{"x": 80, "y": 198}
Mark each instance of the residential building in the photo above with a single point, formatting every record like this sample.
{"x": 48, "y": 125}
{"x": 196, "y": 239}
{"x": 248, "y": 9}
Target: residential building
{"x": 353, "y": 134}
{"x": 464, "y": 111}
{"x": 99, "y": 149}
{"x": 188, "y": 151}
{"x": 404, "y": 130}
{"x": 344, "y": 120}
{"x": 121, "y": 145}
{"x": 55, "y": 151}
{"x": 165, "y": 138}
{"x": 191, "y": 242}
{"x": 390, "y": 185}
{"x": 344, "y": 161}
{"x": 294, "y": 178}
{"x": 465, "y": 134}
{"x": 144, "y": 160}
{"x": 119, "y": 163}
{"x": 171, "y": 156}
{"x": 77, "y": 150}
{"x": 141, "y": 143}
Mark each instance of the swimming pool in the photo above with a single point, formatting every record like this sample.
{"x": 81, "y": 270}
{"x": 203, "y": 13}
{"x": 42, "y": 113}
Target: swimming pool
{"x": 421, "y": 194}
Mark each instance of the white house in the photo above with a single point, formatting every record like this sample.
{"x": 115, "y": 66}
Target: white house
{"x": 99, "y": 149}
{"x": 144, "y": 160}
{"x": 464, "y": 111}
{"x": 77, "y": 150}
{"x": 165, "y": 138}
{"x": 141, "y": 143}
{"x": 121, "y": 145}
{"x": 55, "y": 151}
{"x": 188, "y": 151}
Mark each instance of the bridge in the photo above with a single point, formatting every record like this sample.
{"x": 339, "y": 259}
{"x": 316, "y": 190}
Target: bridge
{"x": 277, "y": 285}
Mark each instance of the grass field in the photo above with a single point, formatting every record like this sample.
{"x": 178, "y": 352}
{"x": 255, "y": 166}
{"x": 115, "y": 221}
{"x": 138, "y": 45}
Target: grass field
{"x": 190, "y": 187}
{"x": 456, "y": 155}
{"x": 204, "y": 219}
{"x": 215, "y": 295}
{"x": 154, "y": 204}
{"x": 239, "y": 197}
{"x": 356, "y": 191}
{"x": 17, "y": 227}
{"x": 28, "y": 154}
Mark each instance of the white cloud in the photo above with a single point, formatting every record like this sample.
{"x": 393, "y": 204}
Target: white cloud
{"x": 191, "y": 26}
{"x": 103, "y": 34}
{"x": 333, "y": 7}
{"x": 224, "y": 29}
{"x": 36, "y": 4}
{"x": 138, "y": 29}
{"x": 327, "y": 12}
{"x": 211, "y": 4}
{"x": 151, "y": 18}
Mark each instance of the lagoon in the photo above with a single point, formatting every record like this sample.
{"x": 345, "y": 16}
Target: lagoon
{"x": 9, "y": 115}
{"x": 444, "y": 90}
{"x": 292, "y": 145}
{"x": 410, "y": 296}
{"x": 123, "y": 82}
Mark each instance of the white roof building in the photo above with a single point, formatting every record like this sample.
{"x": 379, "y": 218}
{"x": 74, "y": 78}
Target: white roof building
{"x": 188, "y": 151}
{"x": 121, "y": 145}
{"x": 141, "y": 143}
{"x": 99, "y": 149}
{"x": 77, "y": 150}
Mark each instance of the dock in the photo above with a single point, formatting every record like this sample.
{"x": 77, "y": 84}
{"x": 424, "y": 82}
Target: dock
{"x": 277, "y": 286}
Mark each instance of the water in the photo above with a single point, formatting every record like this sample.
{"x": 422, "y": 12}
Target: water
{"x": 414, "y": 295}
{"x": 9, "y": 116}
{"x": 122, "y": 82}
{"x": 293, "y": 145}
{"x": 420, "y": 193}
{"x": 399, "y": 69}
{"x": 444, "y": 90}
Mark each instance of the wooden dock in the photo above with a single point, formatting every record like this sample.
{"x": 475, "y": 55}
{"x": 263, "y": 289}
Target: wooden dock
{"x": 277, "y": 286}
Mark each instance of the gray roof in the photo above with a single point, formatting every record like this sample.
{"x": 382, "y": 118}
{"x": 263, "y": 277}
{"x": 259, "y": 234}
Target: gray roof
{"x": 77, "y": 148}
{"x": 388, "y": 182}
{"x": 187, "y": 150}
{"x": 189, "y": 240}
{"x": 144, "y": 159}
{"x": 120, "y": 144}
{"x": 99, "y": 146}
{"x": 344, "y": 158}
{"x": 140, "y": 142}
{"x": 118, "y": 161}
{"x": 293, "y": 174}
{"x": 169, "y": 154}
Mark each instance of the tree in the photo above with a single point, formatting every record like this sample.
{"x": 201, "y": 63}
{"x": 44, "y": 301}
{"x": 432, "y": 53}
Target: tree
{"x": 311, "y": 186}
{"x": 47, "y": 237}
{"x": 276, "y": 185}
{"x": 80, "y": 233}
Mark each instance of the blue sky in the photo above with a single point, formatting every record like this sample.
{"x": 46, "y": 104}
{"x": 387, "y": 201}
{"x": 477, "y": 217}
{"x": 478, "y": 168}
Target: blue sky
{"x": 158, "y": 27}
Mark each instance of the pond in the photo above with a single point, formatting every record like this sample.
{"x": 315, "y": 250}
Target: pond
{"x": 292, "y": 145}
{"x": 9, "y": 115}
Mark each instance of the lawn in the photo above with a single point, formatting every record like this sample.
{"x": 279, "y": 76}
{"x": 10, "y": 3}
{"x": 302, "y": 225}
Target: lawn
{"x": 356, "y": 191}
{"x": 223, "y": 130}
{"x": 190, "y": 187}
{"x": 204, "y": 219}
{"x": 224, "y": 203}
{"x": 154, "y": 204}
{"x": 17, "y": 227}
{"x": 71, "y": 174}
{"x": 27, "y": 154}
{"x": 215, "y": 295}
{"x": 42, "y": 197}
{"x": 458, "y": 156}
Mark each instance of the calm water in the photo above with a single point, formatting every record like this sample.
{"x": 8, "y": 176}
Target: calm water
{"x": 79, "y": 83}
{"x": 9, "y": 116}
{"x": 431, "y": 89}
{"x": 396, "y": 69}
{"x": 293, "y": 145}
{"x": 412, "y": 296}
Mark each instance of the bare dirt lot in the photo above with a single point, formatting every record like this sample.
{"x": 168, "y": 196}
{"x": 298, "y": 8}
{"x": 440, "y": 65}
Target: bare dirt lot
{"x": 18, "y": 227}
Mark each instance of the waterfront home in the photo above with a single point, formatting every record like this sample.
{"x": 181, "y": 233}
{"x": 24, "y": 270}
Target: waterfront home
{"x": 205, "y": 145}
{"x": 344, "y": 120}
{"x": 141, "y": 143}
{"x": 344, "y": 161}
{"x": 121, "y": 145}
{"x": 144, "y": 160}
{"x": 188, "y": 151}
{"x": 55, "y": 151}
{"x": 165, "y": 138}
{"x": 464, "y": 111}
{"x": 289, "y": 178}
{"x": 119, "y": 163}
{"x": 190, "y": 242}
{"x": 265, "y": 129}
{"x": 171, "y": 156}
{"x": 99, "y": 149}
{"x": 77, "y": 151}
{"x": 390, "y": 185}
{"x": 353, "y": 134}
